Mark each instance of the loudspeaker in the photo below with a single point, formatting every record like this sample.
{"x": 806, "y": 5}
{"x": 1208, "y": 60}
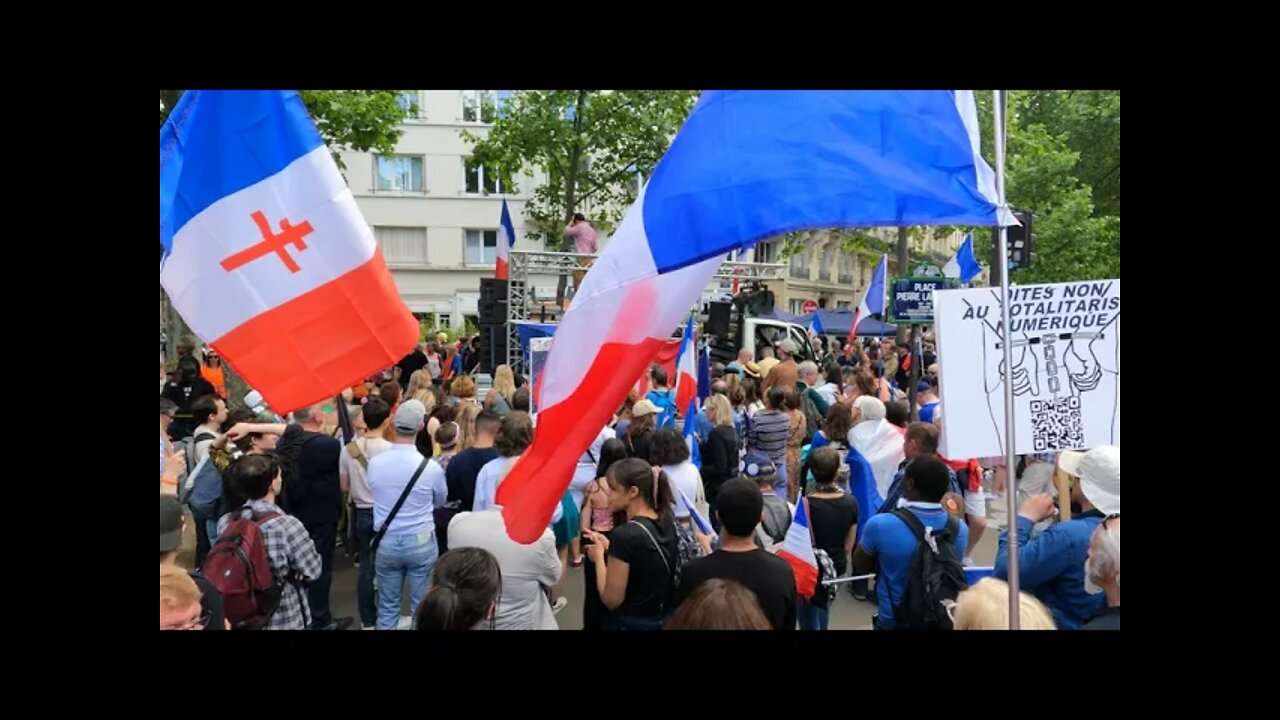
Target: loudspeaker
{"x": 718, "y": 319}
{"x": 493, "y": 289}
{"x": 493, "y": 347}
{"x": 492, "y": 312}
{"x": 758, "y": 300}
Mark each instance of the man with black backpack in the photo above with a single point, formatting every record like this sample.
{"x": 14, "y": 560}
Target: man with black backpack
{"x": 917, "y": 548}
{"x": 263, "y": 557}
{"x": 313, "y": 493}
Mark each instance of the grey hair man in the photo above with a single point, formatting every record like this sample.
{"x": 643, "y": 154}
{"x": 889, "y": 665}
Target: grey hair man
{"x": 1102, "y": 573}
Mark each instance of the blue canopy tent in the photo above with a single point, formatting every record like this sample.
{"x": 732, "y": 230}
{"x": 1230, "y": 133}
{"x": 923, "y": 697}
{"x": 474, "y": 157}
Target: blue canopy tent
{"x": 528, "y": 331}
{"x": 837, "y": 322}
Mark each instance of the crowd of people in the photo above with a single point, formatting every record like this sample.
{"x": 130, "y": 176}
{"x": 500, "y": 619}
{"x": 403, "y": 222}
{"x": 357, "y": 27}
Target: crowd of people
{"x": 403, "y": 473}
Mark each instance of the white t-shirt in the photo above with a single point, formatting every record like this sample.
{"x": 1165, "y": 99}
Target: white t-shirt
{"x": 361, "y": 495}
{"x": 526, "y": 569}
{"x": 683, "y": 477}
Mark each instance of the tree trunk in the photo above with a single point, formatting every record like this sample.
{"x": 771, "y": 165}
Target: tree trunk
{"x": 904, "y": 260}
{"x": 914, "y": 374}
{"x": 996, "y": 278}
{"x": 571, "y": 186}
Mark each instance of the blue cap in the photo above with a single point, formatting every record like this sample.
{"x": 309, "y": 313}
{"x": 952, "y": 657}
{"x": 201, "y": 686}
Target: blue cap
{"x": 756, "y": 464}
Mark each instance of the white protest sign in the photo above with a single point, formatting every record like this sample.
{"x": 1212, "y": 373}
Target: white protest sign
{"x": 1066, "y": 368}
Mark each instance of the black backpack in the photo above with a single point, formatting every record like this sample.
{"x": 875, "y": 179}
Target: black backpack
{"x": 935, "y": 579}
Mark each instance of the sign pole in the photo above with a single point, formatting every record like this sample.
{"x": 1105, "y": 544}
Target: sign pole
{"x": 913, "y": 377}
{"x": 1010, "y": 459}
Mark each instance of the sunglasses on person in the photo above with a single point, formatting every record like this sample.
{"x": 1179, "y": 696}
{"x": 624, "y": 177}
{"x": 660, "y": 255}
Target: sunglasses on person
{"x": 1109, "y": 518}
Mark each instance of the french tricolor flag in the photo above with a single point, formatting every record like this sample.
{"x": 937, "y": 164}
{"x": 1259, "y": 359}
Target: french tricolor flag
{"x": 687, "y": 371}
{"x": 690, "y": 439}
{"x": 965, "y": 264}
{"x": 506, "y": 241}
{"x": 873, "y": 300}
{"x": 747, "y": 165}
{"x": 266, "y": 255}
{"x": 797, "y": 550}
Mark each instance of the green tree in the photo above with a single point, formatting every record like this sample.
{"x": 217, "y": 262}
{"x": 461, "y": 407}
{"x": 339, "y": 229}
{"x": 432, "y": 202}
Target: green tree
{"x": 1063, "y": 165}
{"x": 590, "y": 145}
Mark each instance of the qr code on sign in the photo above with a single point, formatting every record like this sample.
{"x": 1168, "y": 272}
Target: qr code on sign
{"x": 1056, "y": 424}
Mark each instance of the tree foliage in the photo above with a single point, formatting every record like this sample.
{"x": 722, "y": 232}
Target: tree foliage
{"x": 590, "y": 145}
{"x": 1063, "y": 165}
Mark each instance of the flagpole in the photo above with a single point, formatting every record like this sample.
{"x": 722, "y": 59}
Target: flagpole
{"x": 884, "y": 260}
{"x": 1010, "y": 463}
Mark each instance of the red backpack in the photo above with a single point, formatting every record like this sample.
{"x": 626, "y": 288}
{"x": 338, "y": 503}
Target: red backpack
{"x": 238, "y": 566}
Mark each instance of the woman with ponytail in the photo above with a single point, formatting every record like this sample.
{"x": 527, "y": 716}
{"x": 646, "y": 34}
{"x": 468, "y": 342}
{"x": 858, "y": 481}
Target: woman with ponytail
{"x": 464, "y": 593}
{"x": 636, "y": 564}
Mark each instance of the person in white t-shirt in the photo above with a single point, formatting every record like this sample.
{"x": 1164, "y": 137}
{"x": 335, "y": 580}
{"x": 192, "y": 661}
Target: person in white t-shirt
{"x": 669, "y": 451}
{"x": 371, "y": 424}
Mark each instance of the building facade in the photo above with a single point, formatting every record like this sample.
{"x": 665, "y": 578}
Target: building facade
{"x": 434, "y": 213}
{"x": 836, "y": 279}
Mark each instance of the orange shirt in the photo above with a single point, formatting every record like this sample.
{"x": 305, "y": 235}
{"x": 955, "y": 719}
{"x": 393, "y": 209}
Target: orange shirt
{"x": 217, "y": 378}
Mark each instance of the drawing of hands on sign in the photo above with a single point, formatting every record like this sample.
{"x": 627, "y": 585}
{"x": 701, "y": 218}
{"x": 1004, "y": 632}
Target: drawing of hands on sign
{"x": 1026, "y": 366}
{"x": 1093, "y": 370}
{"x": 1083, "y": 368}
{"x": 1026, "y": 374}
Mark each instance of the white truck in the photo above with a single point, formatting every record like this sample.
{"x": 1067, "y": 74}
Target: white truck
{"x": 746, "y": 328}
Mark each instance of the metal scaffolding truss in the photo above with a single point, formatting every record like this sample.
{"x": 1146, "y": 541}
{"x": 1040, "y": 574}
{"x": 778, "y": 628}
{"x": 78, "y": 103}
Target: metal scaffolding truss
{"x": 524, "y": 263}
{"x": 733, "y": 270}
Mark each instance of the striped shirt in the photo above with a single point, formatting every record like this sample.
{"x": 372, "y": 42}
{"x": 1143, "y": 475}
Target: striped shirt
{"x": 769, "y": 432}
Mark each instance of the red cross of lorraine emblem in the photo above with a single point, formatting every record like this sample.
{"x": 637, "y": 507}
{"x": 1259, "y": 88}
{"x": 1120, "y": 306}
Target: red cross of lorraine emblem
{"x": 272, "y": 242}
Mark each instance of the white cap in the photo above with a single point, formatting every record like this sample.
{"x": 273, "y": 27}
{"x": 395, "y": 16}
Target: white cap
{"x": 1099, "y": 473}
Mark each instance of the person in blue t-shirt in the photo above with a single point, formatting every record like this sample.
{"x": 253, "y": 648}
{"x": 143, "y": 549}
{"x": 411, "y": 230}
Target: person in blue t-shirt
{"x": 662, "y": 396}
{"x": 927, "y": 398}
{"x": 889, "y": 543}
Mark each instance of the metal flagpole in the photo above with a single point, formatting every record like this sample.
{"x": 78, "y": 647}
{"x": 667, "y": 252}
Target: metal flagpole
{"x": 1010, "y": 463}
